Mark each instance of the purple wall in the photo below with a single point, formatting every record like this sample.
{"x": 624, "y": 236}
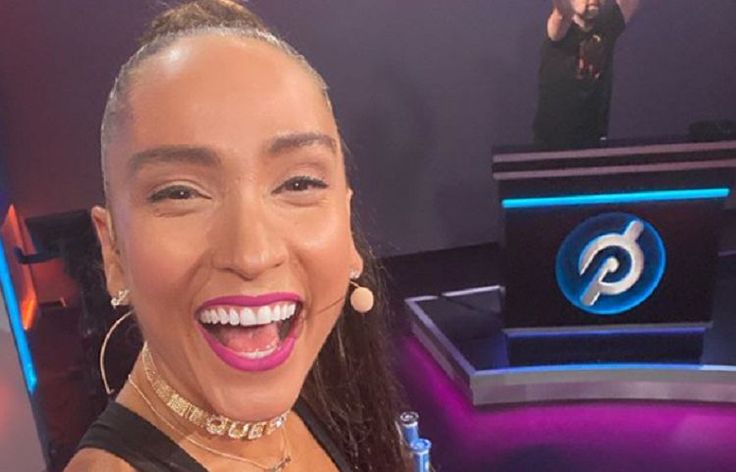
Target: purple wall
{"x": 675, "y": 65}
{"x": 423, "y": 90}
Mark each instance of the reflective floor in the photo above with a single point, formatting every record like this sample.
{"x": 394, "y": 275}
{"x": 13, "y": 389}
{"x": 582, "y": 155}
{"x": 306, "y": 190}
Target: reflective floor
{"x": 571, "y": 437}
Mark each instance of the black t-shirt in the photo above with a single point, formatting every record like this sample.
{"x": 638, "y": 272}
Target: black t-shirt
{"x": 575, "y": 84}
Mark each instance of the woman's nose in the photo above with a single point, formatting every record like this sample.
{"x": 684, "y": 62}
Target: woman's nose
{"x": 248, "y": 240}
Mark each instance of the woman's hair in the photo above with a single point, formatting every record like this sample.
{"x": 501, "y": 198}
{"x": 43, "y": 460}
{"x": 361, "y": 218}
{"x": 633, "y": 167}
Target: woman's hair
{"x": 219, "y": 17}
{"x": 351, "y": 386}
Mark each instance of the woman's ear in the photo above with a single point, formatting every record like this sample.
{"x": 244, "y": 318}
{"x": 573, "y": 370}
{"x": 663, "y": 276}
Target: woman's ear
{"x": 356, "y": 260}
{"x": 110, "y": 253}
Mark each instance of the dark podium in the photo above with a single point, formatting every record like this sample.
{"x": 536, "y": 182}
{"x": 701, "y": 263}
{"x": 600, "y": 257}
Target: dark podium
{"x": 609, "y": 272}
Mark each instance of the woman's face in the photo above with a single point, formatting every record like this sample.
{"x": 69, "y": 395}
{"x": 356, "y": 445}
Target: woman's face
{"x": 229, "y": 203}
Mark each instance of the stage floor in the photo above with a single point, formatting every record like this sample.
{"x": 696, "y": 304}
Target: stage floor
{"x": 571, "y": 437}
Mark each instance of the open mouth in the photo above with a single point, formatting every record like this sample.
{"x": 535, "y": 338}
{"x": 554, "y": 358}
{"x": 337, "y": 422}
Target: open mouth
{"x": 251, "y": 337}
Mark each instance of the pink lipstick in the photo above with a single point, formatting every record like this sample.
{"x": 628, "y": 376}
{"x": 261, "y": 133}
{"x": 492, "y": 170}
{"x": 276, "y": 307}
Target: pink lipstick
{"x": 252, "y": 333}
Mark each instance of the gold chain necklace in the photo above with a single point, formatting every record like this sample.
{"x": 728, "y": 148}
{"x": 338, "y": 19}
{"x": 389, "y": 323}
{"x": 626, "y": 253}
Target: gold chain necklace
{"x": 280, "y": 467}
{"x": 216, "y": 425}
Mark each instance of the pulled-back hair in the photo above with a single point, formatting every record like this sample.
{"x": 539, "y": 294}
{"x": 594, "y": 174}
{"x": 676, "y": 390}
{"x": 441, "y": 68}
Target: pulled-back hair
{"x": 201, "y": 14}
{"x": 219, "y": 17}
{"x": 351, "y": 386}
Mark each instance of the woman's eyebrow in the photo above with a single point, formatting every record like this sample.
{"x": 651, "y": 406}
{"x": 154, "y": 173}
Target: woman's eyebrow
{"x": 197, "y": 155}
{"x": 290, "y": 142}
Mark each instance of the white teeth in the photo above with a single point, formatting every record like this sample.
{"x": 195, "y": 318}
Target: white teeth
{"x": 246, "y": 316}
{"x": 257, "y": 354}
{"x": 218, "y": 315}
{"x": 264, "y": 315}
{"x": 234, "y": 317}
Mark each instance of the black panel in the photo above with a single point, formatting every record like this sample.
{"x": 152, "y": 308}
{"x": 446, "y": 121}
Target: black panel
{"x": 688, "y": 230}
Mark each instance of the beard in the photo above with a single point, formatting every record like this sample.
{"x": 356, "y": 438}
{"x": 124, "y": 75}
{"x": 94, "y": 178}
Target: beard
{"x": 591, "y": 12}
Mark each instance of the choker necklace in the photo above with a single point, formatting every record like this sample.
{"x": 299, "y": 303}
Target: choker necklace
{"x": 215, "y": 425}
{"x": 280, "y": 467}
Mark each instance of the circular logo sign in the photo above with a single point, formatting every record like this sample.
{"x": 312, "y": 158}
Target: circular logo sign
{"x": 610, "y": 263}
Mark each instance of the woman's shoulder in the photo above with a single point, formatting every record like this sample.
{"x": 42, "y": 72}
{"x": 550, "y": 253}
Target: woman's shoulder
{"x": 122, "y": 440}
{"x": 96, "y": 459}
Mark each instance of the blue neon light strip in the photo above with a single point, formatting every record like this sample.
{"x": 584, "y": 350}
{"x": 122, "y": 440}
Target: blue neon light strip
{"x": 610, "y": 367}
{"x": 607, "y": 198}
{"x": 21, "y": 343}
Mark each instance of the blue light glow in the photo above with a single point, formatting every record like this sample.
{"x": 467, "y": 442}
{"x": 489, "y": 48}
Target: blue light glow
{"x": 21, "y": 343}
{"x": 616, "y": 198}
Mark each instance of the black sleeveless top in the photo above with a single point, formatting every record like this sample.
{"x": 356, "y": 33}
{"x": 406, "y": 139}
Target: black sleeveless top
{"x": 130, "y": 437}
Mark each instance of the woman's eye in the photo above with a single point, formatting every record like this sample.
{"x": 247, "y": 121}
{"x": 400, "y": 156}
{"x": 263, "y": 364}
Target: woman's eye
{"x": 176, "y": 192}
{"x": 301, "y": 184}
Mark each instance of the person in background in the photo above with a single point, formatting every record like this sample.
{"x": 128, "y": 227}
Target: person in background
{"x": 576, "y": 72}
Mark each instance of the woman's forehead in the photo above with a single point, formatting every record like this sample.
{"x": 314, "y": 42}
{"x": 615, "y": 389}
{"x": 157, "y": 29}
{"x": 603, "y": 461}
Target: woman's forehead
{"x": 223, "y": 91}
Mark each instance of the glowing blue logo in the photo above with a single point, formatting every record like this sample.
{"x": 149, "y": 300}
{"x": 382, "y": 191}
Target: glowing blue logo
{"x": 610, "y": 263}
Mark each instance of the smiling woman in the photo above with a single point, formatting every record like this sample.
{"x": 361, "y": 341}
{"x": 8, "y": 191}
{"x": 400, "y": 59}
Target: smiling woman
{"x": 227, "y": 229}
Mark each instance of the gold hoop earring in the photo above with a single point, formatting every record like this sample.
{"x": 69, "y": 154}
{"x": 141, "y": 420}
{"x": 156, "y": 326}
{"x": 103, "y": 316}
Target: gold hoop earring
{"x": 103, "y": 349}
{"x": 362, "y": 298}
{"x": 115, "y": 301}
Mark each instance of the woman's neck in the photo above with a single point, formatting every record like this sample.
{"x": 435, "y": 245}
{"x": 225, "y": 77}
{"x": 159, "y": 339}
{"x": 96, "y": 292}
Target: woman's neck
{"x": 212, "y": 451}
